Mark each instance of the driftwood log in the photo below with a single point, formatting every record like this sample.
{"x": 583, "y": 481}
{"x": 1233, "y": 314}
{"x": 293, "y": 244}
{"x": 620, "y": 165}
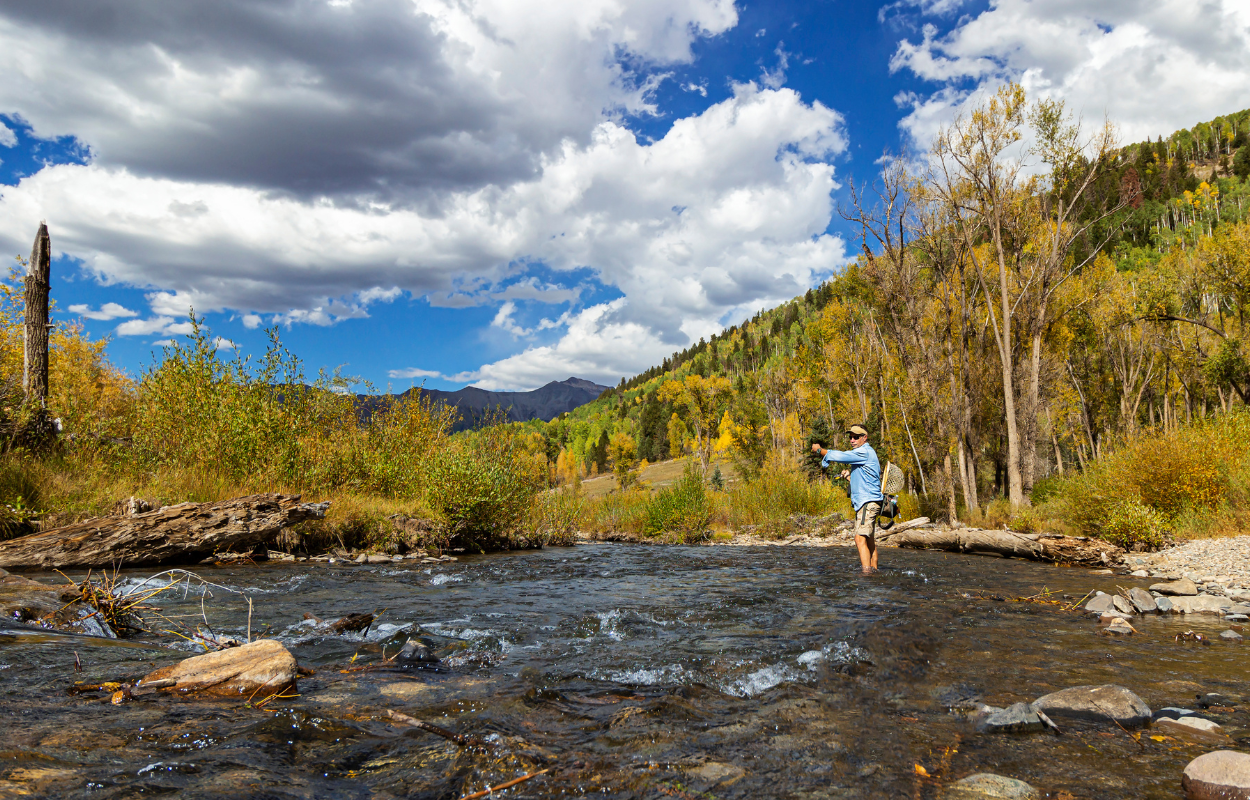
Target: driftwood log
{"x": 1080, "y": 550}
{"x": 182, "y": 533}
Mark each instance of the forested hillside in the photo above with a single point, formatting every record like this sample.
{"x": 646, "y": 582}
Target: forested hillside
{"x": 1002, "y": 324}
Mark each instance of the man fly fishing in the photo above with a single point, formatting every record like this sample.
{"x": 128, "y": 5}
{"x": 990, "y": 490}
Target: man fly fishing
{"x": 864, "y": 471}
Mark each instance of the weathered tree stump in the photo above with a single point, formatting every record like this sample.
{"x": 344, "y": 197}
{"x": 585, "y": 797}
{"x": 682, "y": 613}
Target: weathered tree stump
{"x": 1080, "y": 550}
{"x": 174, "y": 534}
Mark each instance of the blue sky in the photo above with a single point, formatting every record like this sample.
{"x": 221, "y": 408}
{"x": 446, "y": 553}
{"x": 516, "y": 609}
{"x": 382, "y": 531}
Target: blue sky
{"x": 506, "y": 193}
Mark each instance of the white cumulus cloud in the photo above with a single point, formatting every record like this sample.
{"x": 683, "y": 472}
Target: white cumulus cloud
{"x": 105, "y": 312}
{"x": 1151, "y": 66}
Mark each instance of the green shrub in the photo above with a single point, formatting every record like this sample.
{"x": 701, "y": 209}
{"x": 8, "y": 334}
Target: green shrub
{"x": 1128, "y": 523}
{"x": 682, "y": 508}
{"x": 1045, "y": 489}
{"x": 482, "y": 488}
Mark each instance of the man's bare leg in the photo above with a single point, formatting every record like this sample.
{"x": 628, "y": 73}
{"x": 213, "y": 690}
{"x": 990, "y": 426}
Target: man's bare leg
{"x": 867, "y": 547}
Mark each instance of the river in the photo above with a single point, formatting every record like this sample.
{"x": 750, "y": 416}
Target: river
{"x": 630, "y": 672}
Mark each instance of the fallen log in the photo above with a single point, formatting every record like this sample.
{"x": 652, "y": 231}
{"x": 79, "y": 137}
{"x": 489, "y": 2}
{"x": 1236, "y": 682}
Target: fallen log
{"x": 183, "y": 533}
{"x": 1081, "y": 550}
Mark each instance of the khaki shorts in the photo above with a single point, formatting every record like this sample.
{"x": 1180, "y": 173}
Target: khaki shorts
{"x": 866, "y": 519}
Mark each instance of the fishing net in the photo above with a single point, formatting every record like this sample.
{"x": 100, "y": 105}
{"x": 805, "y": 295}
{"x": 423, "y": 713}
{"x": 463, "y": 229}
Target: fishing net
{"x": 891, "y": 479}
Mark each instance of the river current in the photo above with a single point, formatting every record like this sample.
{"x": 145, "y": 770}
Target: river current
{"x": 628, "y": 672}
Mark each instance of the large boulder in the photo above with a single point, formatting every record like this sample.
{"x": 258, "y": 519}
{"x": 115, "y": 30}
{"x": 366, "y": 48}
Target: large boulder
{"x": 1100, "y": 604}
{"x": 1224, "y": 774}
{"x": 988, "y": 786}
{"x": 1142, "y": 601}
{"x": 259, "y": 669}
{"x": 1202, "y": 604}
{"x": 1182, "y": 587}
{"x": 1096, "y": 703}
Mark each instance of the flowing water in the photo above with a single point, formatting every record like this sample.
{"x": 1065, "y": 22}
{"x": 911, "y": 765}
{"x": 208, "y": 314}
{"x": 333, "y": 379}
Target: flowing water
{"x": 629, "y": 672}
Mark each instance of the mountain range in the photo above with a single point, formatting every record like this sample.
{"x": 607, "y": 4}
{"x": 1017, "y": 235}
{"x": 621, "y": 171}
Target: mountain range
{"x": 545, "y": 403}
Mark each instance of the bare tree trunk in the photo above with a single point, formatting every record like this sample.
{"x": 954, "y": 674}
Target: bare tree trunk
{"x": 968, "y": 474}
{"x": 35, "y": 366}
{"x": 950, "y": 488}
{"x": 1055, "y": 438}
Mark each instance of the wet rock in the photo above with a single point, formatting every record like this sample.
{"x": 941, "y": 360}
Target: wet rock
{"x": 1164, "y": 605}
{"x": 1171, "y": 712}
{"x": 1100, "y": 604}
{"x": 1193, "y": 729}
{"x": 1237, "y": 618}
{"x": 1142, "y": 601}
{"x": 715, "y": 773}
{"x": 262, "y": 668}
{"x": 1224, "y": 774}
{"x": 416, "y": 651}
{"x": 1096, "y": 703}
{"x": 1231, "y": 636}
{"x": 1120, "y": 626}
{"x": 1202, "y": 604}
{"x": 1016, "y": 718}
{"x": 988, "y": 786}
{"x": 1178, "y": 588}
{"x": 1122, "y": 605}
{"x": 59, "y": 607}
{"x": 351, "y": 623}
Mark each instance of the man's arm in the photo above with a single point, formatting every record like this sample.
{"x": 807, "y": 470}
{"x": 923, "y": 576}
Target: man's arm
{"x": 852, "y": 457}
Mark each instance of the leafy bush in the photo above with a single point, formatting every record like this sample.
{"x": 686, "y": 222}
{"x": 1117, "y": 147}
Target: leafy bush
{"x": 682, "y": 508}
{"x": 481, "y": 488}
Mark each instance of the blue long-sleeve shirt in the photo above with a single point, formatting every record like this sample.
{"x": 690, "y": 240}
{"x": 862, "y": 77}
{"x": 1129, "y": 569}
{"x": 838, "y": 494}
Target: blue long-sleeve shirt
{"x": 865, "y": 473}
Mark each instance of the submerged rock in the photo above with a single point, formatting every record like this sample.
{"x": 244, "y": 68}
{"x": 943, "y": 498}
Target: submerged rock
{"x": 1231, "y": 636}
{"x": 1181, "y": 587}
{"x": 1121, "y": 626}
{"x": 1107, "y": 702}
{"x": 1142, "y": 601}
{"x": 988, "y": 786}
{"x": 260, "y": 669}
{"x": 1016, "y": 718}
{"x": 1224, "y": 774}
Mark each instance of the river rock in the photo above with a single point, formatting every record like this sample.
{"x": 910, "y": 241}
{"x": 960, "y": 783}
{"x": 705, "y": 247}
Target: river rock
{"x": 1096, "y": 703}
{"x": 1100, "y": 604}
{"x": 988, "y": 786}
{"x": 1177, "y": 588}
{"x": 350, "y": 624}
{"x": 1202, "y": 604}
{"x": 1238, "y": 618}
{"x": 1165, "y": 605}
{"x": 1122, "y": 605}
{"x": 1224, "y": 774}
{"x": 261, "y": 669}
{"x": 1171, "y": 712}
{"x": 1240, "y": 608}
{"x": 1142, "y": 601}
{"x": 1121, "y": 626}
{"x": 1231, "y": 636}
{"x": 1193, "y": 729}
{"x": 1016, "y": 718}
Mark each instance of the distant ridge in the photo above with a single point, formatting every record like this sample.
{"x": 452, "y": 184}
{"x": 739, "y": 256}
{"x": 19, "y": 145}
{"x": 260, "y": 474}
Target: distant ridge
{"x": 545, "y": 403}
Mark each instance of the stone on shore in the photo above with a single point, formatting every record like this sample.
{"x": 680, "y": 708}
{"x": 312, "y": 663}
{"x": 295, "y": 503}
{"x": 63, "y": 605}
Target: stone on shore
{"x": 1016, "y": 718}
{"x": 1202, "y": 604}
{"x": 259, "y": 669}
{"x": 1178, "y": 588}
{"x": 1224, "y": 774}
{"x": 988, "y": 786}
{"x": 1099, "y": 703}
{"x": 1142, "y": 601}
{"x": 1100, "y": 604}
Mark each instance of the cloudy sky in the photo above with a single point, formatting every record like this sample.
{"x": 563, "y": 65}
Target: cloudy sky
{"x": 507, "y": 192}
